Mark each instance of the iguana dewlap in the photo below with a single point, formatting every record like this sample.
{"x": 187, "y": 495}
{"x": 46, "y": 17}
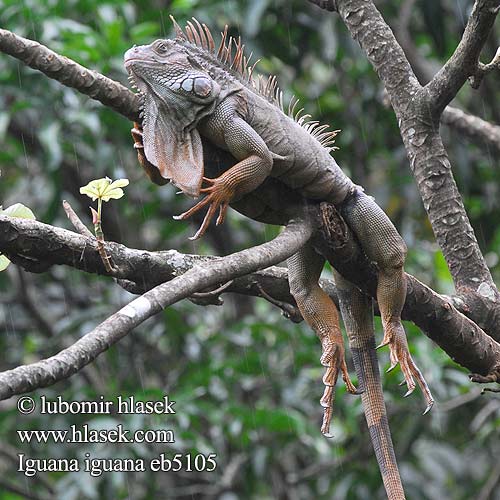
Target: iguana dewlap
{"x": 197, "y": 99}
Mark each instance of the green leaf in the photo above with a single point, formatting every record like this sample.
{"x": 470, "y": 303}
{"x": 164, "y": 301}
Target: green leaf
{"x": 20, "y": 211}
{"x": 4, "y": 262}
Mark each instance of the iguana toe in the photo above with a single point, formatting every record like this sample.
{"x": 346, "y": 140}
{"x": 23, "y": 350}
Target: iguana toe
{"x": 218, "y": 196}
{"x": 400, "y": 354}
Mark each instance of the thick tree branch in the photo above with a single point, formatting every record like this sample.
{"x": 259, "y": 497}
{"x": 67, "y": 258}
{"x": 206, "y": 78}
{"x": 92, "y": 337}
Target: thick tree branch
{"x": 426, "y": 153}
{"x": 465, "y": 60}
{"x": 69, "y": 361}
{"x": 369, "y": 29}
{"x": 71, "y": 74}
{"x": 436, "y": 315}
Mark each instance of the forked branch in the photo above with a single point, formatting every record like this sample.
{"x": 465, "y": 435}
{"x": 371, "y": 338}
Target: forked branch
{"x": 69, "y": 361}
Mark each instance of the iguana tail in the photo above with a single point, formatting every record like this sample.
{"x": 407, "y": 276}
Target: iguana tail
{"x": 357, "y": 313}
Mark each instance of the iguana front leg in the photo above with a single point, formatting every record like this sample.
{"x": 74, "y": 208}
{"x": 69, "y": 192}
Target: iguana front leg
{"x": 384, "y": 246}
{"x": 320, "y": 313}
{"x": 152, "y": 171}
{"x": 227, "y": 129}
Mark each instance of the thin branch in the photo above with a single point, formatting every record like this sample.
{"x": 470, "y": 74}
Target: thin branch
{"x": 329, "y": 5}
{"x": 465, "y": 60}
{"x": 462, "y": 399}
{"x": 288, "y": 310}
{"x": 67, "y": 362}
{"x": 71, "y": 74}
{"x": 484, "y": 69}
{"x": 473, "y": 127}
{"x": 489, "y": 487}
{"x": 211, "y": 297}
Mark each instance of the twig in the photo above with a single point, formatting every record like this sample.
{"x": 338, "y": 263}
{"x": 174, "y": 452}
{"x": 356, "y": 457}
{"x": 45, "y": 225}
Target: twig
{"x": 105, "y": 257}
{"x": 492, "y": 406}
{"x": 472, "y": 126}
{"x": 458, "y": 401}
{"x": 489, "y": 487}
{"x": 76, "y": 221}
{"x": 84, "y": 231}
{"x": 289, "y": 311}
{"x": 212, "y": 296}
{"x": 484, "y": 69}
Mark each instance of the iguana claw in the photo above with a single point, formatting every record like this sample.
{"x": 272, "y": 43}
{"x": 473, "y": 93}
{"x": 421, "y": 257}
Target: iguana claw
{"x": 218, "y": 197}
{"x": 400, "y": 354}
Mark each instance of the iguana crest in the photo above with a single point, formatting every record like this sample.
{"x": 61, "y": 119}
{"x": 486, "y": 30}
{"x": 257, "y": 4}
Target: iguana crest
{"x": 231, "y": 55}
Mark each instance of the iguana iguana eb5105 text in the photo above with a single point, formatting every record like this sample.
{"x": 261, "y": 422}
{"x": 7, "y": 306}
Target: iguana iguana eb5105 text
{"x": 195, "y": 96}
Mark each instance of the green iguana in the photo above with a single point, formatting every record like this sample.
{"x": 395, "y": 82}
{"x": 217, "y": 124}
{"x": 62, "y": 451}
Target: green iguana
{"x": 197, "y": 99}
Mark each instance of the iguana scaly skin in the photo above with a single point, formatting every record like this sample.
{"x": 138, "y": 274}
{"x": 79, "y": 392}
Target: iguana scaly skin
{"x": 197, "y": 101}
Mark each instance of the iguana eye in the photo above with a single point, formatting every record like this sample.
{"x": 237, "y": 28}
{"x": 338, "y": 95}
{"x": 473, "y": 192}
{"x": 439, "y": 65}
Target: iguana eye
{"x": 160, "y": 46}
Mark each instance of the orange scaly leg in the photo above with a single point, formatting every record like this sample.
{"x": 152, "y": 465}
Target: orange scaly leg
{"x": 321, "y": 315}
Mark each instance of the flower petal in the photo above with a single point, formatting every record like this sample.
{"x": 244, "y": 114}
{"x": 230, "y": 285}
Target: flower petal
{"x": 119, "y": 183}
{"x": 115, "y": 193}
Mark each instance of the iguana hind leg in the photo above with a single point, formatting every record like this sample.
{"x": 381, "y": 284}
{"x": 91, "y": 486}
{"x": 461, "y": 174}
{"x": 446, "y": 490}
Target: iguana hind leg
{"x": 383, "y": 245}
{"x": 320, "y": 313}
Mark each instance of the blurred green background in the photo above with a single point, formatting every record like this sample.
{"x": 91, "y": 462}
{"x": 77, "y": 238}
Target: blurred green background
{"x": 247, "y": 382}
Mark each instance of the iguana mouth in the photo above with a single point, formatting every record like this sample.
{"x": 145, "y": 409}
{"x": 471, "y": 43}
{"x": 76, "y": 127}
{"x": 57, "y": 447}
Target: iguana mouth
{"x": 128, "y": 61}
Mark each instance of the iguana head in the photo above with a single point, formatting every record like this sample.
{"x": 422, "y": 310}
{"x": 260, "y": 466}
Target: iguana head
{"x": 176, "y": 94}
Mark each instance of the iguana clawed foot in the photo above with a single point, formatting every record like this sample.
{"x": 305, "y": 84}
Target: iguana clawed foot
{"x": 152, "y": 171}
{"x": 395, "y": 337}
{"x": 219, "y": 194}
{"x": 333, "y": 359}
